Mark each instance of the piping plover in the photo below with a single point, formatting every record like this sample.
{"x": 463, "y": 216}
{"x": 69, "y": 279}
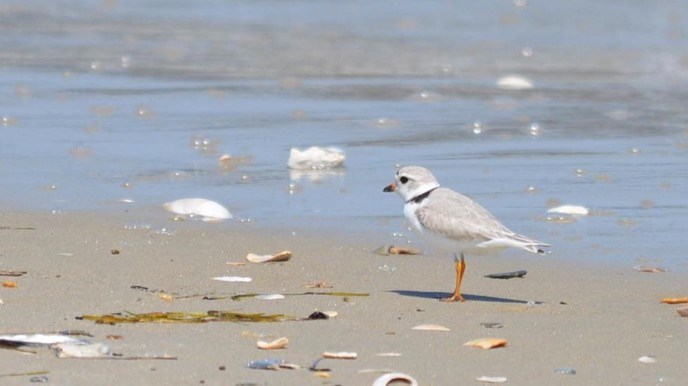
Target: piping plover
{"x": 453, "y": 222}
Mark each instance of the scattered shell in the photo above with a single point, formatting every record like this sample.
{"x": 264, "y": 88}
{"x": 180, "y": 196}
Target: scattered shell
{"x": 507, "y": 275}
{"x": 386, "y": 379}
{"x": 165, "y": 297}
{"x": 642, "y": 268}
{"x": 81, "y": 350}
{"x": 674, "y": 300}
{"x": 514, "y": 82}
{"x": 282, "y": 256}
{"x": 491, "y": 379}
{"x": 37, "y": 339}
{"x": 394, "y": 250}
{"x": 388, "y": 354}
{"x": 316, "y": 158}
{"x": 235, "y": 263}
{"x": 487, "y": 343}
{"x": 209, "y": 210}
{"x": 340, "y": 355}
{"x": 270, "y": 297}
{"x": 430, "y": 327}
{"x": 114, "y": 337}
{"x": 565, "y": 370}
{"x": 271, "y": 364}
{"x": 647, "y": 359}
{"x": 570, "y": 209}
{"x": 9, "y": 284}
{"x": 274, "y": 345}
{"x": 682, "y": 312}
{"x": 322, "y": 374}
{"x": 233, "y": 279}
{"x": 492, "y": 325}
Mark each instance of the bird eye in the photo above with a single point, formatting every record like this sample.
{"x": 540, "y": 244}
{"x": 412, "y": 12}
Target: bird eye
{"x": 403, "y": 180}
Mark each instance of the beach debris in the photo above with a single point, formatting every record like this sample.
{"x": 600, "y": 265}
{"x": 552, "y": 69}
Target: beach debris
{"x": 576, "y": 210}
{"x": 165, "y": 297}
{"x": 317, "y": 315}
{"x": 647, "y": 359}
{"x": 487, "y": 379}
{"x": 26, "y": 374}
{"x": 232, "y": 279}
{"x": 643, "y": 268}
{"x": 9, "y": 284}
{"x": 235, "y": 263}
{"x": 565, "y": 370}
{"x": 12, "y": 273}
{"x": 430, "y": 327}
{"x": 320, "y": 284}
{"x": 331, "y": 314}
{"x": 386, "y": 250}
{"x": 314, "y": 366}
{"x": 276, "y": 344}
{"x": 270, "y": 297}
{"x": 683, "y": 312}
{"x": 316, "y": 158}
{"x": 339, "y": 355}
{"x": 207, "y": 209}
{"x": 272, "y": 364}
{"x": 397, "y": 378}
{"x": 507, "y": 275}
{"x": 185, "y": 317}
{"x": 388, "y": 354}
{"x": 39, "y": 379}
{"x": 39, "y": 339}
{"x": 282, "y": 256}
{"x": 114, "y": 252}
{"x": 675, "y": 300}
{"x": 487, "y": 343}
{"x": 514, "y": 82}
{"x": 114, "y": 337}
{"x": 81, "y": 350}
{"x": 492, "y": 325}
{"x": 322, "y": 374}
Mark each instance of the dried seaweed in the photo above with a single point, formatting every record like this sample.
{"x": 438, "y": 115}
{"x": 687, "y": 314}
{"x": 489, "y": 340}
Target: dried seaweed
{"x": 12, "y": 273}
{"x": 26, "y": 374}
{"x": 185, "y": 317}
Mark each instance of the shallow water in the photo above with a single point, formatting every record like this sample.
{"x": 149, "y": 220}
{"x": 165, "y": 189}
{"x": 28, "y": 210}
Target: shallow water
{"x": 107, "y": 100}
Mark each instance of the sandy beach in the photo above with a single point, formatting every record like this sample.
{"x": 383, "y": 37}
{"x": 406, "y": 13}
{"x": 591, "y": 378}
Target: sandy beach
{"x": 597, "y": 319}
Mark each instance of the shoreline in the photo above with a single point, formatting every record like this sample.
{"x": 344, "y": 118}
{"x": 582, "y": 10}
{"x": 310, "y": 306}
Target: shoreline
{"x": 595, "y": 318}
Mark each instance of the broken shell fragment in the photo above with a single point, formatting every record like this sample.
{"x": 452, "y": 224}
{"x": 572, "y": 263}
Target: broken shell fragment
{"x": 675, "y": 300}
{"x": 340, "y": 355}
{"x": 682, "y": 312}
{"x": 491, "y": 379}
{"x": 514, "y": 82}
{"x": 274, "y": 345}
{"x": 282, "y": 256}
{"x": 430, "y": 327}
{"x": 507, "y": 275}
{"x": 270, "y": 297}
{"x": 643, "y": 268}
{"x": 487, "y": 343}
{"x": 647, "y": 359}
{"x": 394, "y": 250}
{"x": 9, "y": 284}
{"x": 81, "y": 350}
{"x": 577, "y": 210}
{"x": 209, "y": 210}
{"x": 316, "y": 158}
{"x": 395, "y": 378}
{"x": 233, "y": 279}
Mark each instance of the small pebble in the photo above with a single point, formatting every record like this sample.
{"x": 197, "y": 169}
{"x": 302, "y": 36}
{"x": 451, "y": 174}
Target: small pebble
{"x": 492, "y": 325}
{"x": 41, "y": 379}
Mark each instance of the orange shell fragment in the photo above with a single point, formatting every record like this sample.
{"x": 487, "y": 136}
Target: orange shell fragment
{"x": 487, "y": 343}
{"x": 675, "y": 300}
{"x": 9, "y": 284}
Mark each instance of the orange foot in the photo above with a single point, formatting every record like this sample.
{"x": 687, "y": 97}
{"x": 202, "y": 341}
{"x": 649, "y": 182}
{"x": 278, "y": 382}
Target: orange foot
{"x": 453, "y": 298}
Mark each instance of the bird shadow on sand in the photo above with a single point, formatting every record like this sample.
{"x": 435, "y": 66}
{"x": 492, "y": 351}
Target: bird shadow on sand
{"x": 468, "y": 297}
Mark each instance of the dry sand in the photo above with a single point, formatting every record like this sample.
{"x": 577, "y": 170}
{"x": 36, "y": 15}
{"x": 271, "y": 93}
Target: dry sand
{"x": 597, "y": 319}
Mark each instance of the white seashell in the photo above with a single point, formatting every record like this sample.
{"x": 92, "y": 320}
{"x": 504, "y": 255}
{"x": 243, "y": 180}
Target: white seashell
{"x": 430, "y": 327}
{"x": 388, "y": 354}
{"x": 340, "y": 355}
{"x": 209, "y": 210}
{"x": 316, "y": 158}
{"x": 514, "y": 82}
{"x": 647, "y": 359}
{"x": 233, "y": 279}
{"x": 270, "y": 297}
{"x": 274, "y": 345}
{"x": 331, "y": 314}
{"x": 81, "y": 350}
{"x": 37, "y": 339}
{"x": 570, "y": 209}
{"x": 491, "y": 379}
{"x": 386, "y": 379}
{"x": 282, "y": 256}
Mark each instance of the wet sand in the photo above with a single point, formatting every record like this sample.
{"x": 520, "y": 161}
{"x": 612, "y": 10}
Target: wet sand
{"x": 595, "y": 318}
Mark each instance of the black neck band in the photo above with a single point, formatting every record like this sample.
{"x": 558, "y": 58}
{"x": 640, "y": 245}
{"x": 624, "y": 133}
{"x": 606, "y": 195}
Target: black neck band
{"x": 419, "y": 198}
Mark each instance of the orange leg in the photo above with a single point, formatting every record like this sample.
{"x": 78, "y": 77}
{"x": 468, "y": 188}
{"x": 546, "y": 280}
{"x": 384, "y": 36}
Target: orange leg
{"x": 460, "y": 266}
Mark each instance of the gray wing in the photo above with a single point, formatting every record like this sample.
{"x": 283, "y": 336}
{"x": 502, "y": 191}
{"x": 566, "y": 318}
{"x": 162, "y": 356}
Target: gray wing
{"x": 458, "y": 217}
